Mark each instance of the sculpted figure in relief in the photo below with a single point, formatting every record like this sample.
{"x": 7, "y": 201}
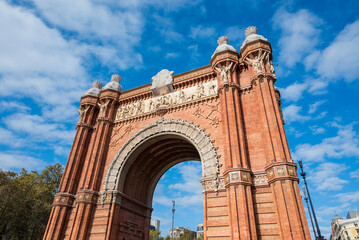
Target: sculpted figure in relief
{"x": 119, "y": 113}
{"x": 140, "y": 107}
{"x": 181, "y": 97}
{"x": 125, "y": 111}
{"x": 212, "y": 89}
{"x": 199, "y": 92}
{"x": 257, "y": 61}
{"x": 151, "y": 105}
{"x": 102, "y": 108}
{"x": 224, "y": 72}
{"x": 82, "y": 113}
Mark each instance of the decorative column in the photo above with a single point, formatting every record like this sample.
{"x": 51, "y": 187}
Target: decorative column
{"x": 94, "y": 164}
{"x": 236, "y": 169}
{"x": 65, "y": 195}
{"x": 256, "y": 53}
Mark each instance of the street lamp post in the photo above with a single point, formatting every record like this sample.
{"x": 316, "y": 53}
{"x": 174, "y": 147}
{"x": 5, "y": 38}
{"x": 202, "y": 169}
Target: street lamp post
{"x": 310, "y": 215}
{"x": 173, "y": 216}
{"x": 303, "y": 174}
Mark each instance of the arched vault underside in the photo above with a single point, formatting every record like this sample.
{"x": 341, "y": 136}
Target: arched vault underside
{"x": 149, "y": 153}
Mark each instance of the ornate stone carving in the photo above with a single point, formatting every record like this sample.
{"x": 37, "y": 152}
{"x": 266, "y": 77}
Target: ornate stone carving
{"x": 194, "y": 134}
{"x": 214, "y": 120}
{"x": 162, "y": 83}
{"x": 257, "y": 61}
{"x": 116, "y": 135}
{"x": 260, "y": 179}
{"x": 224, "y": 71}
{"x": 102, "y": 107}
{"x": 168, "y": 100}
{"x": 82, "y": 112}
{"x": 271, "y": 67}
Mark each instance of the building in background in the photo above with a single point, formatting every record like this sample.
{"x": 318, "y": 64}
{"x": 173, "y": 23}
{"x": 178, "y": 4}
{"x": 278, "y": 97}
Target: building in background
{"x": 179, "y": 231}
{"x": 199, "y": 230}
{"x": 155, "y": 225}
{"x": 345, "y": 229}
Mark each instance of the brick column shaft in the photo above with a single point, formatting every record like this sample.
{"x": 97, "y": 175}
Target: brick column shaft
{"x": 94, "y": 165}
{"x": 69, "y": 182}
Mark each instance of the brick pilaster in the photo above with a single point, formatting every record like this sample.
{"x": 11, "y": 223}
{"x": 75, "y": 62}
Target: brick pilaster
{"x": 69, "y": 183}
{"x": 94, "y": 164}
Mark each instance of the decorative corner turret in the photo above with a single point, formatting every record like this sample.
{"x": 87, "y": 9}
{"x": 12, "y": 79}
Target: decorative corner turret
{"x": 89, "y": 98}
{"x": 95, "y": 90}
{"x": 224, "y": 62}
{"x": 224, "y": 51}
{"x": 114, "y": 84}
{"x": 113, "y": 89}
{"x": 256, "y": 52}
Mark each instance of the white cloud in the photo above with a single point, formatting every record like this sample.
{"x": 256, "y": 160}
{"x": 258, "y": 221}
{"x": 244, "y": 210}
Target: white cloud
{"x": 172, "y": 55}
{"x": 14, "y": 161}
{"x": 13, "y": 106}
{"x": 348, "y": 197}
{"x": 294, "y": 131}
{"x": 166, "y": 27}
{"x": 42, "y": 66}
{"x": 202, "y": 32}
{"x": 345, "y": 144}
{"x": 293, "y": 92}
{"x": 8, "y": 138}
{"x": 313, "y": 107}
{"x": 187, "y": 192}
{"x": 325, "y": 176}
{"x": 190, "y": 175}
{"x": 38, "y": 129}
{"x": 235, "y": 35}
{"x": 299, "y": 34}
{"x": 317, "y": 130}
{"x": 340, "y": 60}
{"x": 292, "y": 113}
{"x": 354, "y": 174}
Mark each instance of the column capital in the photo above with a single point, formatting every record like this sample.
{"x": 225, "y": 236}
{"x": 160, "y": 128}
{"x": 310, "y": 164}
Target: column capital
{"x": 236, "y": 176}
{"x": 63, "y": 199}
{"x": 281, "y": 171}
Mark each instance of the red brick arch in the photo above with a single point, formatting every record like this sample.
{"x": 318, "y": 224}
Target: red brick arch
{"x": 167, "y": 128}
{"x": 126, "y": 140}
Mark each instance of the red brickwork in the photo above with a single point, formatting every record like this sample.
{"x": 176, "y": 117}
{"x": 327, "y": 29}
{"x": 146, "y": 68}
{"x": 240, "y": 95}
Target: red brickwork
{"x": 251, "y": 190}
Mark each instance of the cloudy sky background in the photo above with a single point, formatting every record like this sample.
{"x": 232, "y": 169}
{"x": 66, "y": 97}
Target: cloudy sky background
{"x": 51, "y": 52}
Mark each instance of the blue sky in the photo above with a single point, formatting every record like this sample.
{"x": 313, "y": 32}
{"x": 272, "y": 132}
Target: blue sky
{"x": 51, "y": 52}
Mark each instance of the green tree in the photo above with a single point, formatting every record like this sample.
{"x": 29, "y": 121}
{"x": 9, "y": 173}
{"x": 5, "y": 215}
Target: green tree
{"x": 26, "y": 200}
{"x": 200, "y": 238}
{"x": 168, "y": 237}
{"x": 187, "y": 235}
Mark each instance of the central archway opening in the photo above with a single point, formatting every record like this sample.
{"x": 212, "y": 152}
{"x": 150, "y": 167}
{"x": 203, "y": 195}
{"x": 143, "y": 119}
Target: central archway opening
{"x": 180, "y": 183}
{"x": 141, "y": 173}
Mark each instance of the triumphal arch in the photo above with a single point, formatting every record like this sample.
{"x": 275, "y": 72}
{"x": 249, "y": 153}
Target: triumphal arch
{"x": 226, "y": 115}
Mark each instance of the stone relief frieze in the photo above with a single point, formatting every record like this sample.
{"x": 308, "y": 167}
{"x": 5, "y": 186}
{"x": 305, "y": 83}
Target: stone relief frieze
{"x": 182, "y": 96}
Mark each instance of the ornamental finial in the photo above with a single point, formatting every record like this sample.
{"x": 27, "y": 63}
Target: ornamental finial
{"x": 97, "y": 84}
{"x": 250, "y": 30}
{"x": 116, "y": 78}
{"x": 222, "y": 40}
